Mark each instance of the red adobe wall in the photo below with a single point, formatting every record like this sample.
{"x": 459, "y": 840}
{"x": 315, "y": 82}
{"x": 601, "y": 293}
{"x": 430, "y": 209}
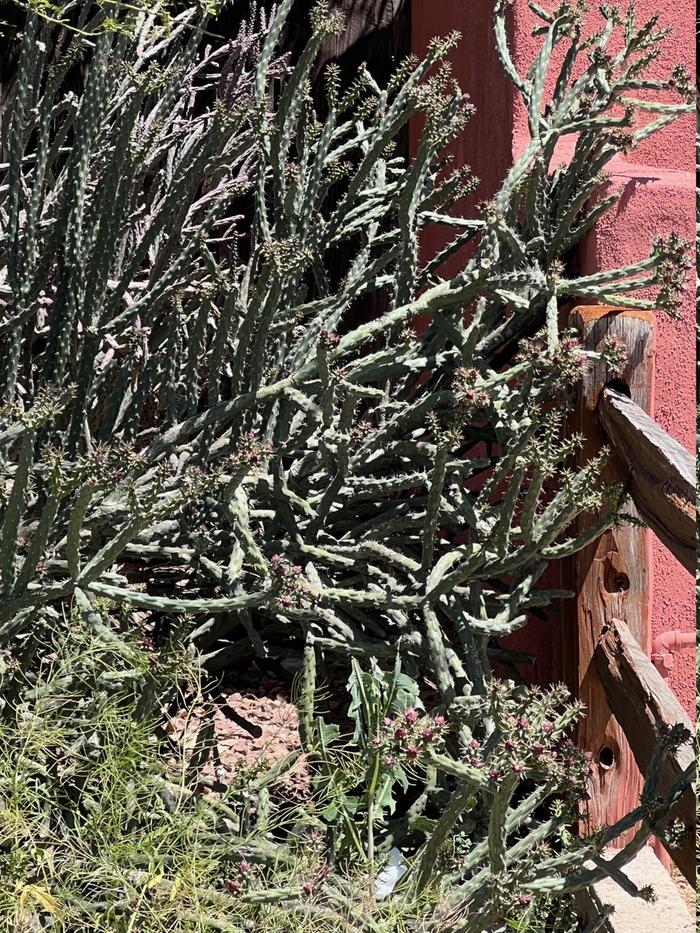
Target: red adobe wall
{"x": 659, "y": 196}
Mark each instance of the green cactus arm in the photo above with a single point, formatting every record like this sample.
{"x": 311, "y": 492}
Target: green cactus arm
{"x": 13, "y": 512}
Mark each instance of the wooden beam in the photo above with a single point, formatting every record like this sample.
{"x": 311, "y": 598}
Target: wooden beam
{"x": 384, "y": 23}
{"x": 610, "y": 577}
{"x": 644, "y": 704}
{"x": 662, "y": 473}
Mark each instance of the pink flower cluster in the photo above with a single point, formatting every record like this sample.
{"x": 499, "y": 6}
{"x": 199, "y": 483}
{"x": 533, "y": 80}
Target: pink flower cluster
{"x": 569, "y": 362}
{"x": 404, "y": 737}
{"x": 291, "y": 583}
{"x": 615, "y": 354}
{"x": 361, "y": 430}
{"x": 241, "y": 878}
{"x": 109, "y": 464}
{"x": 532, "y": 748}
{"x": 328, "y": 340}
{"x": 251, "y": 451}
{"x": 469, "y": 398}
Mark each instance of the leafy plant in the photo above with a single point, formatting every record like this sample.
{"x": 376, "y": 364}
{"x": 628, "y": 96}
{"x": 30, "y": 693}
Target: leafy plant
{"x": 195, "y": 395}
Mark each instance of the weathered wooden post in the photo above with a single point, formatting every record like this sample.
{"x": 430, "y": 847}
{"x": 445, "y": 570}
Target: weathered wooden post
{"x": 611, "y": 576}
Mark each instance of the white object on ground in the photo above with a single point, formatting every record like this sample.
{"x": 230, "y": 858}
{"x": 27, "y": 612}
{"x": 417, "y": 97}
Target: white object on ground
{"x": 391, "y": 874}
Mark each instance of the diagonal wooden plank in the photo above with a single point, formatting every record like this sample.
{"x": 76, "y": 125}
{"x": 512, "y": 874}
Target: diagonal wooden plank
{"x": 662, "y": 473}
{"x": 644, "y": 706}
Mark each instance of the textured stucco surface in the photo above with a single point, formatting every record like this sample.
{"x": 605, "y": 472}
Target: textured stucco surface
{"x": 658, "y": 197}
{"x": 674, "y": 148}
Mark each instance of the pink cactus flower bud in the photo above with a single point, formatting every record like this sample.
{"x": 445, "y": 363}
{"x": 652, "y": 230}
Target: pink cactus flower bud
{"x": 537, "y": 748}
{"x": 412, "y": 752}
{"x": 518, "y": 767}
{"x": 475, "y": 743}
{"x": 510, "y": 745}
{"x": 401, "y": 733}
{"x": 439, "y": 722}
{"x": 427, "y": 735}
{"x": 410, "y": 715}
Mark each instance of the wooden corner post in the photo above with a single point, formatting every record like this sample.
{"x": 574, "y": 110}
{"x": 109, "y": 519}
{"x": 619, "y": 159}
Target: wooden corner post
{"x": 611, "y": 577}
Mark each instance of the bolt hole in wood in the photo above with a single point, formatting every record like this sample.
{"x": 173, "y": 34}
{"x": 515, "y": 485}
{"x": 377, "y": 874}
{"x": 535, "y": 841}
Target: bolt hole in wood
{"x": 606, "y": 757}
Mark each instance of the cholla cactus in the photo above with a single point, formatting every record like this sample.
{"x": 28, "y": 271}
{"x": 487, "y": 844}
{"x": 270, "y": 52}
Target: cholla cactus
{"x": 370, "y": 485}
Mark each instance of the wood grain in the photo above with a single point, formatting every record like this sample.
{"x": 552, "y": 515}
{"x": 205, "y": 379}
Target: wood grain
{"x": 610, "y": 577}
{"x": 662, "y": 473}
{"x": 385, "y": 26}
{"x": 643, "y": 704}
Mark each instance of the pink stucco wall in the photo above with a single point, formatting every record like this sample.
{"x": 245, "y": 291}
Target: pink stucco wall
{"x": 659, "y": 196}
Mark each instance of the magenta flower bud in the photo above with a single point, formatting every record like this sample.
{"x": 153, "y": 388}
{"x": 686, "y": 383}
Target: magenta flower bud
{"x": 518, "y": 767}
{"x": 439, "y": 722}
{"x": 548, "y": 728}
{"x": 510, "y": 745}
{"x": 428, "y": 734}
{"x": 410, "y": 715}
{"x": 474, "y": 762}
{"x": 475, "y": 744}
{"x": 387, "y": 721}
{"x": 412, "y": 751}
{"x": 389, "y": 761}
{"x": 401, "y": 733}
{"x": 244, "y": 867}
